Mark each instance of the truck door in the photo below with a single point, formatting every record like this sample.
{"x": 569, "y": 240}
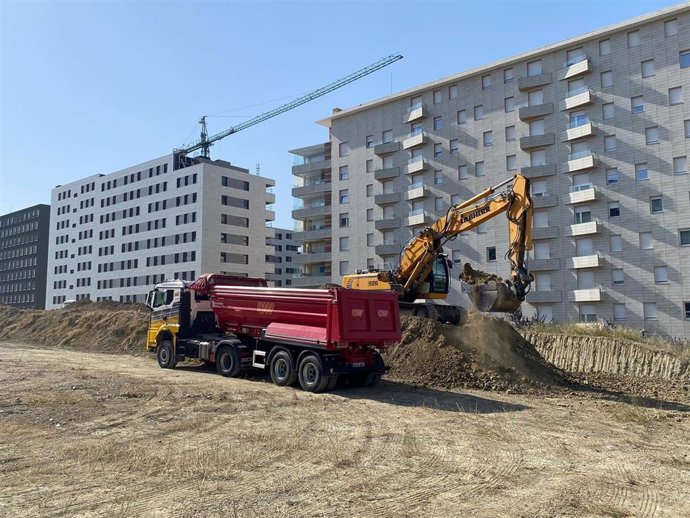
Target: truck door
{"x": 164, "y": 311}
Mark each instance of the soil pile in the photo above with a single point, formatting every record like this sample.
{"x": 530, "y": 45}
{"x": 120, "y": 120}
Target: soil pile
{"x": 105, "y": 326}
{"x": 486, "y": 353}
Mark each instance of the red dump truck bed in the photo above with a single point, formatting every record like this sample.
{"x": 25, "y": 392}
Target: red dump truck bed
{"x": 329, "y": 318}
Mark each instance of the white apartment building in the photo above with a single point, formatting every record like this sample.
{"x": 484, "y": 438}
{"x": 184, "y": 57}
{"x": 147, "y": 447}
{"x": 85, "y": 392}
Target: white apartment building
{"x": 599, "y": 123}
{"x": 113, "y": 236}
{"x": 285, "y": 249}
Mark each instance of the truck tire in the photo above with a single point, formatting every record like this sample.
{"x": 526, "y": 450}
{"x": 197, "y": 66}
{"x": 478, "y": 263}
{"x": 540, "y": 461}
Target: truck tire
{"x": 228, "y": 361}
{"x": 165, "y": 355}
{"x": 311, "y": 375}
{"x": 282, "y": 367}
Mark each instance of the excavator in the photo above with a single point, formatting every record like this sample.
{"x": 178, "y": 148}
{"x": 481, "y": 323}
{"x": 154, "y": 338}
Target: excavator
{"x": 423, "y": 269}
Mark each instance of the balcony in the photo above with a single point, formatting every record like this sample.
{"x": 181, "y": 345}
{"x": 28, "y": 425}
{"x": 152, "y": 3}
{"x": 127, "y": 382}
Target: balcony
{"x": 537, "y": 110}
{"x": 538, "y": 171}
{"x": 310, "y": 167}
{"x": 416, "y": 191}
{"x": 416, "y": 112}
{"x": 543, "y": 265}
{"x": 307, "y": 212}
{"x": 310, "y": 281}
{"x": 312, "y": 235}
{"x": 585, "y": 295}
{"x": 582, "y": 193}
{"x": 544, "y": 201}
{"x": 385, "y": 174}
{"x": 578, "y": 130}
{"x": 415, "y": 139}
{"x": 387, "y": 224}
{"x": 584, "y": 261}
{"x": 386, "y": 148}
{"x": 419, "y": 217}
{"x": 313, "y": 188}
{"x": 580, "y": 161}
{"x": 535, "y": 141}
{"x": 575, "y": 67}
{"x": 544, "y": 233}
{"x": 530, "y": 82}
{"x": 313, "y": 257}
{"x": 388, "y": 249}
{"x": 414, "y": 165}
{"x": 544, "y": 297}
{"x": 584, "y": 229}
{"x": 387, "y": 198}
{"x": 576, "y": 98}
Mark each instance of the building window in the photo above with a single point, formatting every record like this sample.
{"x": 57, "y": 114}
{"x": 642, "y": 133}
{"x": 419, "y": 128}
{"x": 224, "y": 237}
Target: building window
{"x": 490, "y": 253}
{"x": 614, "y": 209}
{"x": 344, "y": 243}
{"x": 661, "y": 275}
{"x": 539, "y": 188}
{"x": 646, "y": 241}
{"x": 652, "y": 135}
{"x": 648, "y": 68}
{"x": 344, "y": 220}
{"x": 607, "y": 111}
{"x": 537, "y": 157}
{"x": 617, "y": 276}
{"x": 488, "y": 138}
{"x": 438, "y": 149}
{"x": 511, "y": 162}
{"x": 509, "y": 104}
{"x": 344, "y": 196}
{"x": 637, "y": 104}
{"x": 510, "y": 133}
{"x": 462, "y": 172}
{"x": 370, "y": 141}
{"x": 479, "y": 168}
{"x": 641, "y": 172}
{"x": 535, "y": 98}
{"x": 606, "y": 79}
{"x": 454, "y": 147}
{"x": 438, "y": 123}
{"x": 438, "y": 177}
{"x": 344, "y": 267}
{"x": 438, "y": 204}
{"x": 437, "y": 96}
{"x": 611, "y": 176}
{"x": 675, "y": 95}
{"x": 486, "y": 81}
{"x": 616, "y": 243}
{"x": 610, "y": 143}
{"x": 684, "y": 236}
{"x": 387, "y": 137}
{"x": 344, "y": 173}
{"x": 534, "y": 68}
{"x": 671, "y": 27}
{"x": 536, "y": 127}
{"x": 452, "y": 91}
{"x": 633, "y": 39}
{"x": 604, "y": 47}
{"x": 370, "y": 214}
{"x": 684, "y": 59}
{"x": 370, "y": 166}
{"x": 583, "y": 214}
{"x": 344, "y": 149}
{"x": 588, "y": 313}
{"x": 649, "y": 309}
{"x": 370, "y": 190}
{"x": 680, "y": 165}
{"x": 462, "y": 116}
{"x": 619, "y": 312}
{"x": 656, "y": 204}
{"x": 686, "y": 125}
{"x": 478, "y": 112}
{"x": 508, "y": 75}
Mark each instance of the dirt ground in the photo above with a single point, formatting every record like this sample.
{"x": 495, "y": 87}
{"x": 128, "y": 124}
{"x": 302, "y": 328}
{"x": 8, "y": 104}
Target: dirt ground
{"x": 91, "y": 434}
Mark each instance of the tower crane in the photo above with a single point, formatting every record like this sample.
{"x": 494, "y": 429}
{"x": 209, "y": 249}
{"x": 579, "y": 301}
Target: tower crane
{"x": 205, "y": 142}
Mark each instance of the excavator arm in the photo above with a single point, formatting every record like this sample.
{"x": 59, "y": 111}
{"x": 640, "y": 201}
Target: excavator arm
{"x": 421, "y": 254}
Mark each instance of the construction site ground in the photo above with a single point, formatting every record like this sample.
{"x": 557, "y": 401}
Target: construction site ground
{"x": 83, "y": 433}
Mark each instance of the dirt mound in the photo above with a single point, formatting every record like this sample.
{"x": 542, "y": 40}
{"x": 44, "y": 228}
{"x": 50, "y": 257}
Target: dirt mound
{"x": 486, "y": 353}
{"x": 96, "y": 326}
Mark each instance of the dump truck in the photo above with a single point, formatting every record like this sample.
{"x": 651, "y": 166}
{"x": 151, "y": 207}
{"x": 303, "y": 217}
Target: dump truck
{"x": 310, "y": 337}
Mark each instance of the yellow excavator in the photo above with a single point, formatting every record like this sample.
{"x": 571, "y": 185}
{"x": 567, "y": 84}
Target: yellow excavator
{"x": 423, "y": 270}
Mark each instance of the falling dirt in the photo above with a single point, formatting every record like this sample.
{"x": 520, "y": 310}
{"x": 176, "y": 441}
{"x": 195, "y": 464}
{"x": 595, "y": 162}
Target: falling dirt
{"x": 477, "y": 277}
{"x": 486, "y": 353}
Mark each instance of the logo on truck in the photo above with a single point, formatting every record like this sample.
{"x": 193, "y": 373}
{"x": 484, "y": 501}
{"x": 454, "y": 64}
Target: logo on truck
{"x": 357, "y": 312}
{"x": 265, "y": 308}
{"x": 382, "y": 313}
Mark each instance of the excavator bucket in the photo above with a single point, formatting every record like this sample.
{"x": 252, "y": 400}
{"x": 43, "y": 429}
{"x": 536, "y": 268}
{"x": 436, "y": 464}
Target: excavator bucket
{"x": 492, "y": 297}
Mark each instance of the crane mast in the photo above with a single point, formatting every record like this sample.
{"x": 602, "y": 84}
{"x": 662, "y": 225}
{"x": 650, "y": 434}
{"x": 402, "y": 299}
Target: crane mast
{"x": 205, "y": 142}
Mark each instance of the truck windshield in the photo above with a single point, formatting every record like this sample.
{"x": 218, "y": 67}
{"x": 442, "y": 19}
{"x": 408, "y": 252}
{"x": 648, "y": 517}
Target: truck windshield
{"x": 163, "y": 297}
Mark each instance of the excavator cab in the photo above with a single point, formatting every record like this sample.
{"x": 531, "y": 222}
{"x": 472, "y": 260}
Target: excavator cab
{"x": 437, "y": 284}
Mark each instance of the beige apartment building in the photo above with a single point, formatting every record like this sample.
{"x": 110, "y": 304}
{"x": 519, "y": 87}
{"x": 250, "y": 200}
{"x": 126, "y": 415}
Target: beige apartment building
{"x": 112, "y": 237}
{"x": 600, "y": 124}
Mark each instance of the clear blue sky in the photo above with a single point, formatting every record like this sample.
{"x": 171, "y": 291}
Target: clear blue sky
{"x": 92, "y": 86}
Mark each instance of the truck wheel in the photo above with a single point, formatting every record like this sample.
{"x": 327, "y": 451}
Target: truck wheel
{"x": 283, "y": 371}
{"x": 165, "y": 356}
{"x": 373, "y": 379}
{"x": 228, "y": 361}
{"x": 310, "y": 374}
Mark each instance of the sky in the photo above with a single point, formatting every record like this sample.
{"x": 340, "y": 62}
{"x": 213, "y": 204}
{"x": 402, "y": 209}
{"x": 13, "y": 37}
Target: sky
{"x": 92, "y": 87}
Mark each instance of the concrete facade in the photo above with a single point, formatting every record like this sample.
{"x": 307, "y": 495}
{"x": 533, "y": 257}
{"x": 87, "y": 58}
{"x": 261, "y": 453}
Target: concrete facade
{"x": 114, "y": 236}
{"x": 24, "y": 257}
{"x": 601, "y": 126}
{"x": 284, "y": 250}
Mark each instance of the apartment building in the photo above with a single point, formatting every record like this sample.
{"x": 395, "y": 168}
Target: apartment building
{"x": 24, "y": 256}
{"x": 114, "y": 236}
{"x": 599, "y": 125}
{"x": 284, "y": 250}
